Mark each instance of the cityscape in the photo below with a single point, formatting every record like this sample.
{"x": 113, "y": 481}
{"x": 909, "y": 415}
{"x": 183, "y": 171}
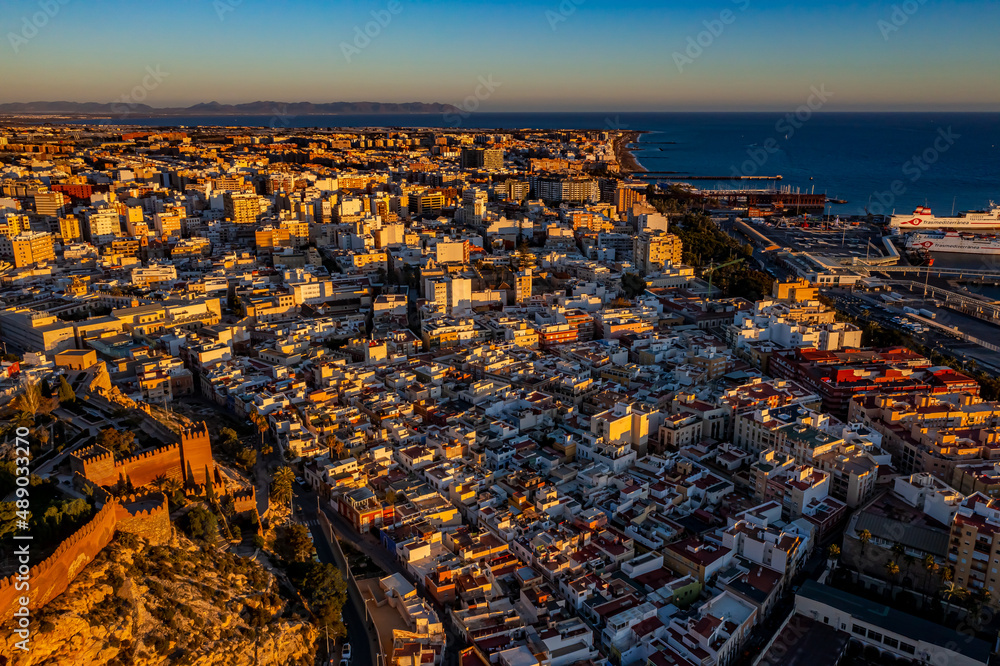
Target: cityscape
{"x": 487, "y": 381}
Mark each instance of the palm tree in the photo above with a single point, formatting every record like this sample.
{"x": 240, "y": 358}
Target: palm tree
{"x": 892, "y": 569}
{"x": 261, "y": 424}
{"x": 173, "y": 488}
{"x": 930, "y": 566}
{"x": 864, "y": 536}
{"x": 897, "y": 551}
{"x": 833, "y": 553}
{"x": 949, "y": 589}
{"x": 281, "y": 485}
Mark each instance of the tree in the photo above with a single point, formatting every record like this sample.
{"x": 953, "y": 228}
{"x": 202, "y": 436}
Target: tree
{"x": 337, "y": 447}
{"x": 930, "y": 566}
{"x": 30, "y": 401}
{"x": 46, "y": 390}
{"x": 174, "y": 490}
{"x": 247, "y": 458}
{"x": 8, "y": 518}
{"x": 281, "y": 485}
{"x": 949, "y": 589}
{"x": 201, "y": 524}
{"x": 833, "y": 553}
{"x": 65, "y": 393}
{"x": 864, "y": 536}
{"x": 261, "y": 423}
{"x": 229, "y": 441}
{"x": 326, "y": 591}
{"x": 119, "y": 442}
{"x": 897, "y": 551}
{"x": 633, "y": 285}
{"x": 524, "y": 258}
{"x": 892, "y": 570}
{"x": 296, "y": 546}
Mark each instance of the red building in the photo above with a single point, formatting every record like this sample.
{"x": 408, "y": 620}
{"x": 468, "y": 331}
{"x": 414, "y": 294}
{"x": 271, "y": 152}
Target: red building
{"x": 837, "y": 376}
{"x": 364, "y": 510}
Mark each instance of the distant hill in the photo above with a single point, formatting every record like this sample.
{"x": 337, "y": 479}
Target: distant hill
{"x": 216, "y": 109}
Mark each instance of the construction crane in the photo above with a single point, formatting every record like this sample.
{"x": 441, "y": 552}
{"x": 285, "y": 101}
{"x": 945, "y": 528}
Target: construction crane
{"x": 711, "y": 270}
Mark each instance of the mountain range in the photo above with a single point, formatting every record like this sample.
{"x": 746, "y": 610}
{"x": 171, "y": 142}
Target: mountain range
{"x": 217, "y": 109}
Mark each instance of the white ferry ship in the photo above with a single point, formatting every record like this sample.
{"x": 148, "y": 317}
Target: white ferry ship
{"x": 953, "y": 242}
{"x": 923, "y": 218}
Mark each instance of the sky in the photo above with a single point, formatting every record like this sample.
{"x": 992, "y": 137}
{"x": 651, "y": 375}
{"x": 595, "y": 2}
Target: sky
{"x": 556, "y": 55}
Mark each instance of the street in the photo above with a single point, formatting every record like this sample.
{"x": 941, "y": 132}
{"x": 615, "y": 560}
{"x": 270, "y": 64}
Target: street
{"x": 363, "y": 648}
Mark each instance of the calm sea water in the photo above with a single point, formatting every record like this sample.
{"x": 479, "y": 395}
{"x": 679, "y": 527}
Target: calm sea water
{"x": 948, "y": 161}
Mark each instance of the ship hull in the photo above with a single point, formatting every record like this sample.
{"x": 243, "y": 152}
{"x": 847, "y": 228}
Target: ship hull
{"x": 922, "y": 218}
{"x": 952, "y": 245}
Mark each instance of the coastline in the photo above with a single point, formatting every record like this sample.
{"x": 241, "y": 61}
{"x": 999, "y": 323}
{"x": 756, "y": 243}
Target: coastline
{"x": 627, "y": 162}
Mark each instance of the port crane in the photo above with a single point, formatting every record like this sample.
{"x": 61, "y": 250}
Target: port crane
{"x": 711, "y": 270}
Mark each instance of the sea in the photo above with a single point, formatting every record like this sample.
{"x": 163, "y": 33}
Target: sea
{"x": 877, "y": 162}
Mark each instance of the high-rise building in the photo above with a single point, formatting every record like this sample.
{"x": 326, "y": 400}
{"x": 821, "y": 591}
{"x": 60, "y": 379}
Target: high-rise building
{"x": 133, "y": 219}
{"x": 453, "y": 294}
{"x": 522, "y": 286}
{"x": 50, "y": 204}
{"x": 32, "y": 248}
{"x": 482, "y": 158}
{"x": 515, "y": 190}
{"x": 103, "y": 225}
{"x": 655, "y": 249}
{"x": 565, "y": 189}
{"x": 242, "y": 208}
{"x": 427, "y": 203}
{"x": 452, "y": 252}
{"x": 298, "y": 232}
{"x": 474, "y": 205}
{"x": 69, "y": 229}
{"x": 13, "y": 224}
{"x": 626, "y": 195}
{"x": 975, "y": 543}
{"x": 167, "y": 224}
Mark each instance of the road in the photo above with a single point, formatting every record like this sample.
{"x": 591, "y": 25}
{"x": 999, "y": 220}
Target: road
{"x": 362, "y": 651}
{"x": 370, "y": 546}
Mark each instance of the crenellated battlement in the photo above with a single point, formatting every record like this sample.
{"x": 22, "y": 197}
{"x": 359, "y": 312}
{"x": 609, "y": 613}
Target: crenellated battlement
{"x": 145, "y": 514}
{"x": 195, "y": 430}
{"x": 149, "y": 453}
{"x": 87, "y": 541}
{"x": 94, "y": 454}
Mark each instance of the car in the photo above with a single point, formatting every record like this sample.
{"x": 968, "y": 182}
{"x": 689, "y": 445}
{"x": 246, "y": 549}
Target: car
{"x": 346, "y": 652}
{"x": 299, "y": 480}
{"x": 345, "y": 662}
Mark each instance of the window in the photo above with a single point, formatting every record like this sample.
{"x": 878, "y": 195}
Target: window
{"x": 907, "y": 648}
{"x": 874, "y": 635}
{"x": 891, "y": 642}
{"x": 858, "y": 629}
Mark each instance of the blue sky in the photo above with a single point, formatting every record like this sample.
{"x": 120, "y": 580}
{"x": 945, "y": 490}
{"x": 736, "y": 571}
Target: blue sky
{"x": 557, "y": 55}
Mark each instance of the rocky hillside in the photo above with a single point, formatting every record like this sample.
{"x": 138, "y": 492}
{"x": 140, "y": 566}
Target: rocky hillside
{"x": 145, "y": 606}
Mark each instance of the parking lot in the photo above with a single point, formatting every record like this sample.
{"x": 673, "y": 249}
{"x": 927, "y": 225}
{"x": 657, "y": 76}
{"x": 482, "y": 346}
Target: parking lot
{"x": 844, "y": 242}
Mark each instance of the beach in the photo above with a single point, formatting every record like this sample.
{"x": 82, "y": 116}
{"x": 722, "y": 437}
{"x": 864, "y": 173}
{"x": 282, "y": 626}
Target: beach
{"x": 626, "y": 160}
